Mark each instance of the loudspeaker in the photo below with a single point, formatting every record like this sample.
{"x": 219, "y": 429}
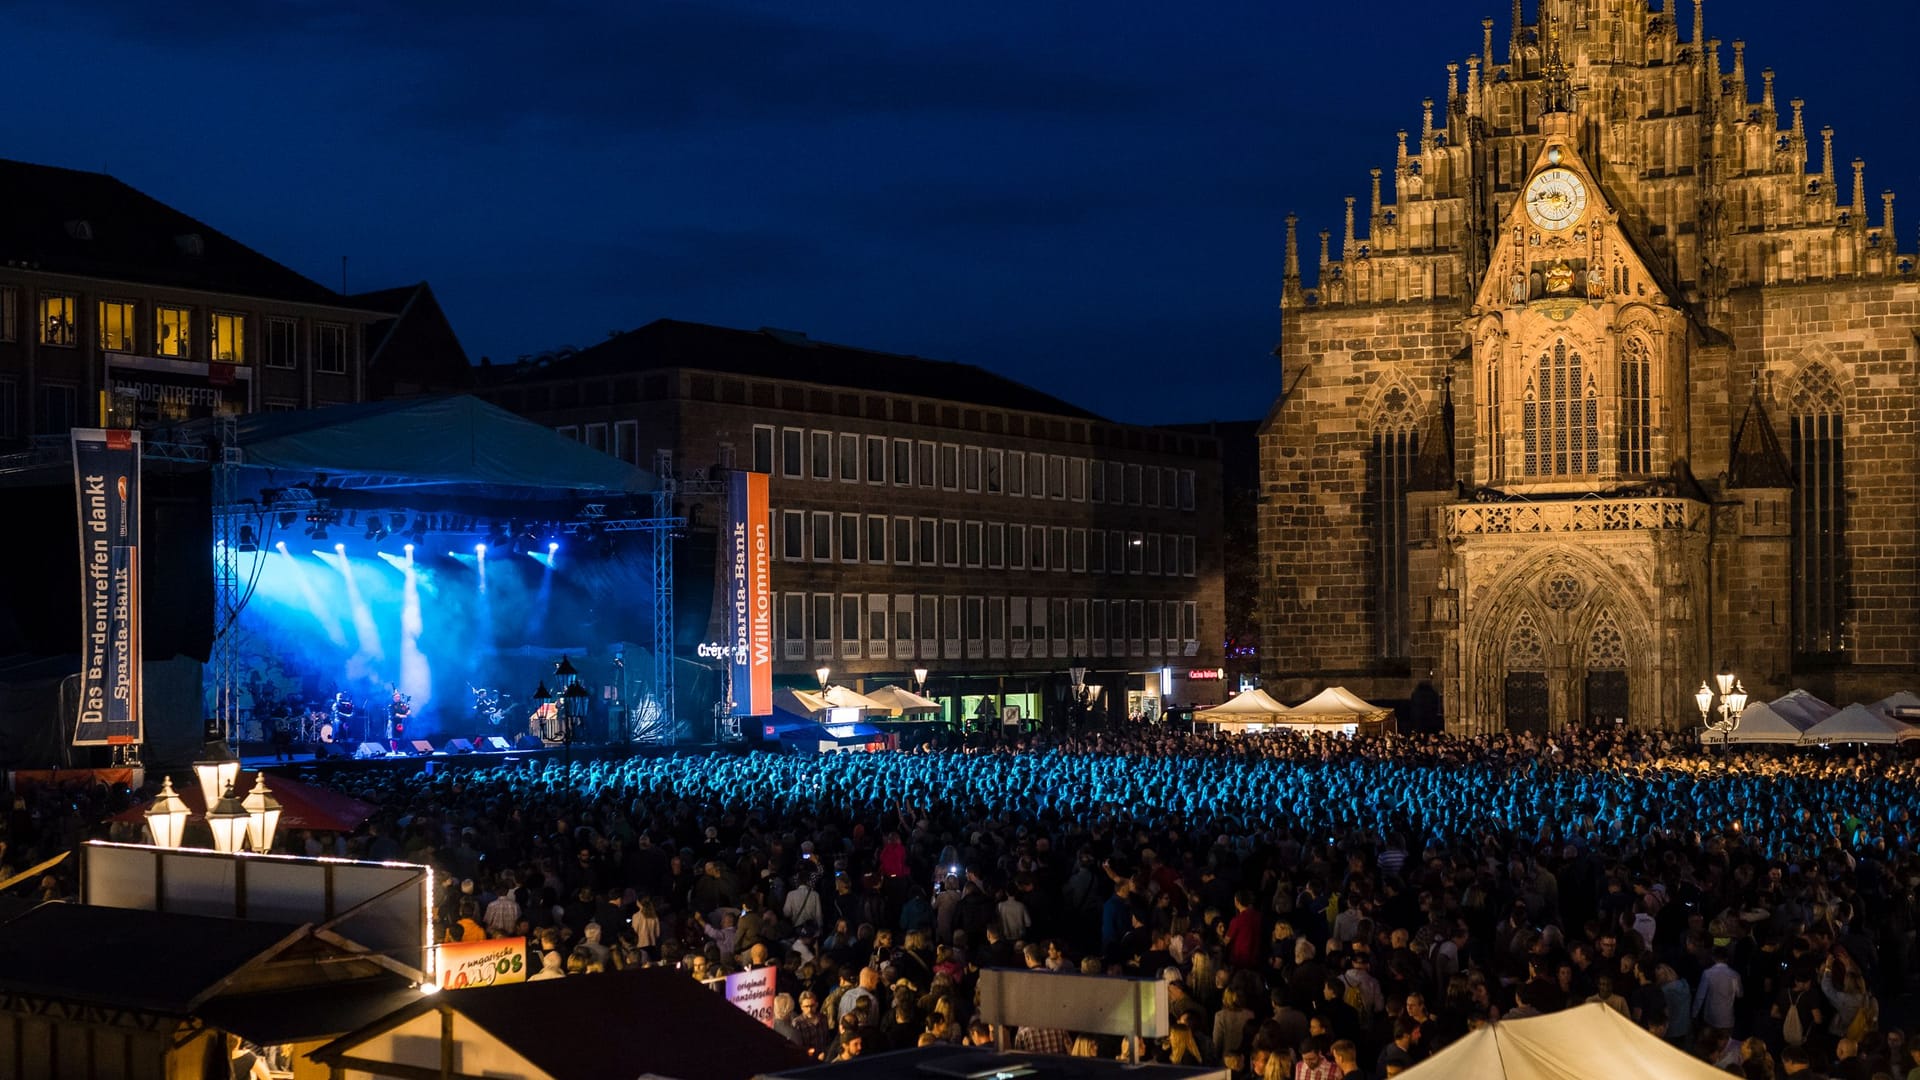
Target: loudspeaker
{"x": 496, "y": 743}
{"x": 370, "y": 750}
{"x": 529, "y": 742}
{"x": 422, "y": 746}
{"x": 459, "y": 746}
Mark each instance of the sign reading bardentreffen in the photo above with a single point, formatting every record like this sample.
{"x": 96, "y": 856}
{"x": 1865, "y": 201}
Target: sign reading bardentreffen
{"x": 750, "y": 599}
{"x": 464, "y": 965}
{"x": 752, "y": 991}
{"x": 106, "y": 477}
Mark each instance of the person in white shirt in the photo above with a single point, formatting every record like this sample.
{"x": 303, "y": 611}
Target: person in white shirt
{"x": 1719, "y": 988}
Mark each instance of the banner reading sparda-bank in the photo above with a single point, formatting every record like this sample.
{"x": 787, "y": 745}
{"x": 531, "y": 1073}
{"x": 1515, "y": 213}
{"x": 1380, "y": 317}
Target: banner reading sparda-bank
{"x": 106, "y": 476}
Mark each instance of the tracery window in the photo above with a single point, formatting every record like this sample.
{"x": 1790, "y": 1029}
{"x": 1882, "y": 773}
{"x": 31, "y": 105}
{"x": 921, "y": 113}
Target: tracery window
{"x": 1526, "y": 648}
{"x": 1606, "y": 647}
{"x": 1389, "y": 472}
{"x": 1820, "y": 574}
{"x": 1496, "y": 432}
{"x": 1636, "y": 407}
{"x": 1561, "y": 416}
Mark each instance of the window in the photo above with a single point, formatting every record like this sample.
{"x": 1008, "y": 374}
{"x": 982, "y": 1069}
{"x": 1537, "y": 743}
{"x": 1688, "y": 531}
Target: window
{"x": 1150, "y": 493}
{"x": 1037, "y": 625}
{"x": 1189, "y": 564}
{"x": 1017, "y": 624}
{"x": 9, "y": 313}
{"x": 822, "y": 449}
{"x": 597, "y": 437}
{"x": 850, "y": 538}
{"x": 876, "y": 459}
{"x": 1097, "y": 627}
{"x": 822, "y": 528}
{"x": 1016, "y": 547}
{"x": 57, "y": 321}
{"x": 902, "y": 463}
{"x": 970, "y": 468}
{"x": 1389, "y": 473}
{"x": 1037, "y": 547}
{"x": 59, "y": 407}
{"x": 903, "y": 541}
{"x": 853, "y": 609}
{"x": 330, "y": 349}
{"x": 762, "y": 448}
{"x": 1560, "y": 420}
{"x": 792, "y": 441}
{"x": 1056, "y": 476}
{"x": 950, "y": 627}
{"x": 282, "y": 336}
{"x": 1821, "y": 585}
{"x": 1133, "y": 485}
{"x": 793, "y": 626}
{"x": 1077, "y": 551}
{"x": 1057, "y": 547}
{"x": 929, "y": 627}
{"x": 1169, "y": 483}
{"x": 1116, "y": 552}
{"x": 949, "y": 543}
{"x": 924, "y": 538}
{"x": 976, "y": 627}
{"x": 1186, "y": 489}
{"x": 1097, "y": 551}
{"x": 229, "y": 338}
{"x": 972, "y": 544}
{"x": 876, "y": 538}
{"x": 923, "y": 464}
{"x": 903, "y": 627}
{"x": 1016, "y": 472}
{"x": 1153, "y": 627}
{"x": 996, "y": 471}
{"x": 996, "y": 545}
{"x": 849, "y": 458}
{"x": 949, "y": 467}
{"x": 1057, "y": 620}
{"x": 1097, "y": 483}
{"x": 1636, "y": 407}
{"x": 1116, "y": 484}
{"x": 116, "y": 326}
{"x": 823, "y": 626}
{"x": 996, "y": 627}
{"x": 793, "y": 535}
{"x": 1077, "y": 479}
{"x": 1077, "y": 627}
{"x": 1136, "y": 553}
{"x": 1153, "y": 553}
{"x": 876, "y": 626}
{"x": 9, "y": 409}
{"x": 1190, "y": 621}
{"x": 626, "y": 441}
{"x": 1496, "y": 440}
{"x": 1036, "y": 476}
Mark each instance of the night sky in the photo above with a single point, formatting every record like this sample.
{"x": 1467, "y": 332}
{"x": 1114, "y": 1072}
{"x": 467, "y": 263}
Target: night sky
{"x": 1086, "y": 196}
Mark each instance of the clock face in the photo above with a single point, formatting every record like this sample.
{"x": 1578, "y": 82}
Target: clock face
{"x": 1555, "y": 199}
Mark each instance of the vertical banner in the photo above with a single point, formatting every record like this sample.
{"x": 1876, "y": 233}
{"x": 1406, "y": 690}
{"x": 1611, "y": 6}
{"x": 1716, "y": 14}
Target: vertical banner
{"x": 749, "y": 534}
{"x": 106, "y": 476}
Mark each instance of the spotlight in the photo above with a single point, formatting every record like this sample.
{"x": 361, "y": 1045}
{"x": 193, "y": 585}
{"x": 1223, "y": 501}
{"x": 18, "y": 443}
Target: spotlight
{"x": 408, "y": 548}
{"x": 280, "y": 546}
{"x": 376, "y": 528}
{"x": 340, "y": 550}
{"x": 480, "y": 550}
{"x": 552, "y": 548}
{"x": 248, "y": 542}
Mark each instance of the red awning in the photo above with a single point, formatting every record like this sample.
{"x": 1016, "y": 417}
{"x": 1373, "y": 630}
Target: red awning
{"x": 302, "y": 806}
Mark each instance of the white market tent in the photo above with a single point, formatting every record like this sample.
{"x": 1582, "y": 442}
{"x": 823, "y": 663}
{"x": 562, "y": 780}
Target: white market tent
{"x": 1763, "y": 723}
{"x": 1255, "y": 705}
{"x": 1859, "y": 724}
{"x": 1896, "y": 704}
{"x": 1802, "y": 708}
{"x": 800, "y": 702}
{"x": 1588, "y": 1042}
{"x": 900, "y": 702}
{"x": 1337, "y": 704}
{"x": 841, "y": 697}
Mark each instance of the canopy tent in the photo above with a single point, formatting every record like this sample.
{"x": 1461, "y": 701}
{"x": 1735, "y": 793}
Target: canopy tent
{"x": 449, "y": 444}
{"x": 900, "y": 702}
{"x": 1337, "y": 704}
{"x": 840, "y": 697}
{"x": 1859, "y": 724}
{"x": 1248, "y": 706}
{"x": 1802, "y": 708}
{"x": 302, "y": 806}
{"x": 1587, "y": 1042}
{"x": 801, "y": 703}
{"x": 1898, "y": 704}
{"x": 1760, "y": 723}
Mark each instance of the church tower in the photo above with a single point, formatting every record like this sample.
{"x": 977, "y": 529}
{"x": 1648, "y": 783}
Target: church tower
{"x": 1603, "y": 279}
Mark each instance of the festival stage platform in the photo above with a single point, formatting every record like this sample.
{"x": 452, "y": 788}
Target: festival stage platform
{"x": 261, "y": 757}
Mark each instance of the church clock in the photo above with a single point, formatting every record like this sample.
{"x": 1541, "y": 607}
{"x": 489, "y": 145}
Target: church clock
{"x": 1555, "y": 199}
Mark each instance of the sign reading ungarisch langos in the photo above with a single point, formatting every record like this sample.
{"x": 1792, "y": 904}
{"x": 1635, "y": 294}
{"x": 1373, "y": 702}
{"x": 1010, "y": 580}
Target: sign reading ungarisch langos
{"x": 749, "y": 595}
{"x": 106, "y": 476}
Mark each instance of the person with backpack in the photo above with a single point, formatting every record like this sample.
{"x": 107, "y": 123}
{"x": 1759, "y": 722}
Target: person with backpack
{"x": 1802, "y": 1012}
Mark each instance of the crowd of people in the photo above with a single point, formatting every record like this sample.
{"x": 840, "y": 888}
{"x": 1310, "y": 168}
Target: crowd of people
{"x": 1320, "y": 907}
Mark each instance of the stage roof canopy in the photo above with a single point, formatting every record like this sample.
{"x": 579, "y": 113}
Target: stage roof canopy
{"x": 445, "y": 444}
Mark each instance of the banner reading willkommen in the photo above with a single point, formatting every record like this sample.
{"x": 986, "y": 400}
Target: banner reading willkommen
{"x": 106, "y": 476}
{"x": 749, "y": 595}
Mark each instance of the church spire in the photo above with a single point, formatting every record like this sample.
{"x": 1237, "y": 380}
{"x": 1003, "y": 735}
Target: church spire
{"x": 1347, "y": 247}
{"x": 1291, "y": 279}
{"x": 1859, "y": 193}
{"x": 1559, "y": 80}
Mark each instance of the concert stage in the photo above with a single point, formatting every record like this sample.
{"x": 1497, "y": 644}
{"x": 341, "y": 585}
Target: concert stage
{"x": 260, "y": 757}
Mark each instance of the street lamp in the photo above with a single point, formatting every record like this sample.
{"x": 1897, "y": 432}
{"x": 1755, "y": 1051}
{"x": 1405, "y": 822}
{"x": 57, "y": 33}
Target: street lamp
{"x": 217, "y": 770}
{"x": 167, "y": 817}
{"x": 542, "y": 711}
{"x": 1733, "y": 702}
{"x": 228, "y": 820}
{"x": 920, "y": 681}
{"x": 573, "y": 708}
{"x": 263, "y": 814}
{"x": 821, "y": 673}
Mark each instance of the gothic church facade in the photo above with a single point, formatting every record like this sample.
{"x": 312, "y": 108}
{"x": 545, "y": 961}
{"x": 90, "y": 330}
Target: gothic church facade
{"x": 1619, "y": 388}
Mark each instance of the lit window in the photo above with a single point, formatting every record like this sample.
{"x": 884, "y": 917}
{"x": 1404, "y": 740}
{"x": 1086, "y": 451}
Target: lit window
{"x": 116, "y": 326}
{"x": 173, "y": 331}
{"x": 57, "y": 320}
{"x": 229, "y": 338}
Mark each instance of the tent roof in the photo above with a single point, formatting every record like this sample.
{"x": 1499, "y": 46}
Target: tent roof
{"x": 129, "y": 958}
{"x": 1244, "y": 705}
{"x": 899, "y": 700}
{"x": 1859, "y": 724}
{"x": 1588, "y": 1042}
{"x": 841, "y": 697}
{"x": 1802, "y": 708}
{"x": 1902, "y": 699}
{"x": 446, "y": 443}
{"x": 1337, "y": 701}
{"x": 800, "y": 702}
{"x": 302, "y": 806}
{"x": 1761, "y": 724}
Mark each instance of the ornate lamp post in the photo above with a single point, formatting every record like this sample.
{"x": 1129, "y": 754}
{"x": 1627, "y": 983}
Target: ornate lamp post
{"x": 920, "y": 681}
{"x": 216, "y": 770}
{"x": 543, "y": 698}
{"x": 167, "y": 817}
{"x": 228, "y": 820}
{"x": 821, "y": 673}
{"x": 1077, "y": 714}
{"x": 263, "y": 815}
{"x": 1733, "y": 702}
{"x": 573, "y": 710}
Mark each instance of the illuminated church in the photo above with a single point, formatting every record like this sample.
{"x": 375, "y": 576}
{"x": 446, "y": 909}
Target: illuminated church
{"x": 1617, "y": 388}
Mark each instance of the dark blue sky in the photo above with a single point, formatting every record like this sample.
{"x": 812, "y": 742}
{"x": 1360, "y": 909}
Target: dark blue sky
{"x": 1087, "y": 196}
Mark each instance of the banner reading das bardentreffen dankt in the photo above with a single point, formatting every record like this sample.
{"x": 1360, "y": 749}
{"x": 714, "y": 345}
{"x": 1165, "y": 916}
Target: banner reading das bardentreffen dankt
{"x": 749, "y": 595}
{"x": 106, "y": 477}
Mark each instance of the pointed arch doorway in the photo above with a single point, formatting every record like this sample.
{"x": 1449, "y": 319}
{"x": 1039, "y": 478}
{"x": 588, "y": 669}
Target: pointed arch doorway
{"x": 1528, "y": 705}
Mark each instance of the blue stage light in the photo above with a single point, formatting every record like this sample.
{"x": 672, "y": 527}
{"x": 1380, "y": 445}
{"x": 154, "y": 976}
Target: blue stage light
{"x": 553, "y": 548}
{"x": 480, "y": 550}
{"x": 408, "y": 548}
